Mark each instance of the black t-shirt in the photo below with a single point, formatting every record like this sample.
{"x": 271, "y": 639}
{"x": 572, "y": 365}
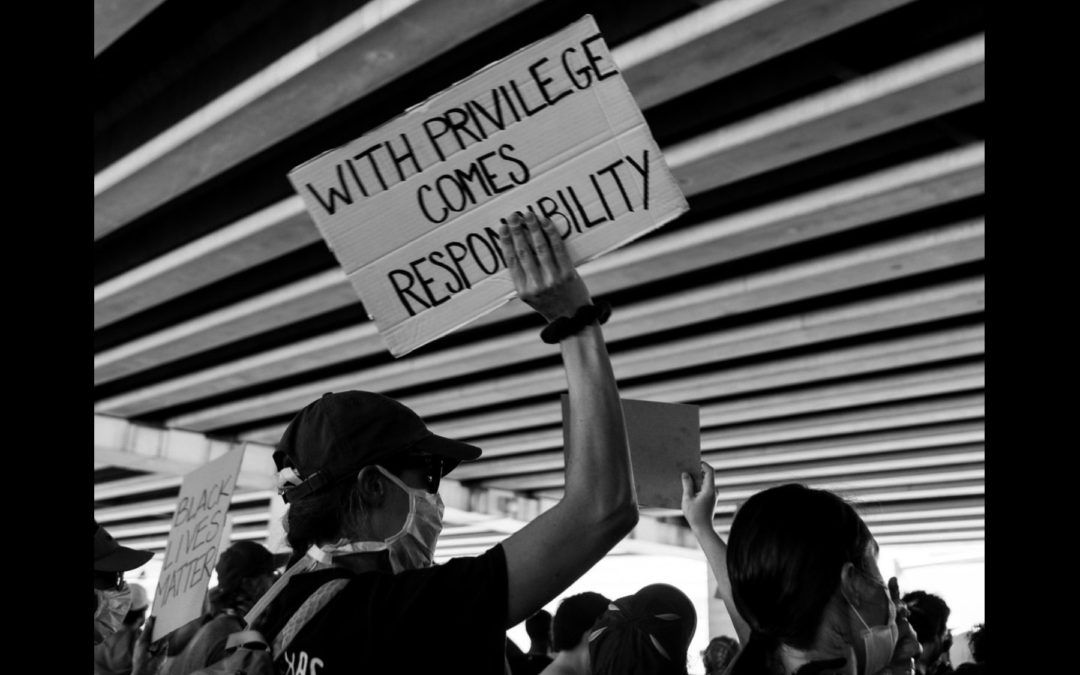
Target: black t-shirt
{"x": 448, "y": 618}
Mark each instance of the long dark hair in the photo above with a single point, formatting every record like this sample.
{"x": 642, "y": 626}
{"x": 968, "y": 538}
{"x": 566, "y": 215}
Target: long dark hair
{"x": 786, "y": 549}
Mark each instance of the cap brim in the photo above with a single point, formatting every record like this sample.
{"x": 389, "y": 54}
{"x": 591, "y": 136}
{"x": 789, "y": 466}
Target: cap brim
{"x": 455, "y": 451}
{"x": 122, "y": 560}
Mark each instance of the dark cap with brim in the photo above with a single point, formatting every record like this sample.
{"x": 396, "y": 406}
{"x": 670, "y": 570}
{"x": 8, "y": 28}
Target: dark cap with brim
{"x": 109, "y": 556}
{"x": 336, "y": 436}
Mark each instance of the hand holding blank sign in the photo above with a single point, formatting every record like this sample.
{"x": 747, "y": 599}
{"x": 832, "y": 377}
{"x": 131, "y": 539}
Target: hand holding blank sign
{"x": 698, "y": 505}
{"x": 543, "y": 274}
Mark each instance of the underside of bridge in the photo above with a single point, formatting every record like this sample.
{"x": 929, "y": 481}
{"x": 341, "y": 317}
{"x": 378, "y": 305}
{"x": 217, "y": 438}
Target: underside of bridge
{"x": 822, "y": 300}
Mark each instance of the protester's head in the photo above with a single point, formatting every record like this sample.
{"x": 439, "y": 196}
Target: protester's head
{"x": 929, "y": 616}
{"x": 112, "y": 595}
{"x": 354, "y": 466}
{"x": 804, "y": 575}
{"x": 538, "y": 627}
{"x": 574, "y": 617}
{"x": 977, "y": 643}
{"x": 646, "y": 633}
{"x": 719, "y": 654}
{"x": 244, "y": 572}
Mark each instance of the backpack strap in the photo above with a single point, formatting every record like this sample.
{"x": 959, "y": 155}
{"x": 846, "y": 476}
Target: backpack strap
{"x": 251, "y": 639}
{"x": 305, "y": 564}
{"x": 315, "y": 602}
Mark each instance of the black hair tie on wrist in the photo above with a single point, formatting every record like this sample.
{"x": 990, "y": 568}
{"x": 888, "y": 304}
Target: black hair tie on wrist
{"x": 563, "y": 327}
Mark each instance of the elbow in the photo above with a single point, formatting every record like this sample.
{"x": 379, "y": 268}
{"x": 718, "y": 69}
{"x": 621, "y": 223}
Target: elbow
{"x": 620, "y": 520}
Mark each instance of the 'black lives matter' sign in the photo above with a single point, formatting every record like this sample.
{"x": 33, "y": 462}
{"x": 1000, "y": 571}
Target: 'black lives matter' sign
{"x": 195, "y": 539}
{"x": 412, "y": 209}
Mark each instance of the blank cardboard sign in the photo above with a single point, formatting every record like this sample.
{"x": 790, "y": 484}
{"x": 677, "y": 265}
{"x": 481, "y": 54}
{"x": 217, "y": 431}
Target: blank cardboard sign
{"x": 665, "y": 440}
{"x": 411, "y": 210}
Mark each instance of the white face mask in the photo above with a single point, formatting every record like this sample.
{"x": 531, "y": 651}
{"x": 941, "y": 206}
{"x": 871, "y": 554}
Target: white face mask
{"x": 112, "y": 607}
{"x": 879, "y": 641}
{"x": 411, "y": 547}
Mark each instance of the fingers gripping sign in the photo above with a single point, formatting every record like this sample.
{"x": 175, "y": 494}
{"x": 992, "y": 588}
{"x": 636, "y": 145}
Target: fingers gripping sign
{"x": 907, "y": 647}
{"x": 540, "y": 267}
{"x": 699, "y": 504}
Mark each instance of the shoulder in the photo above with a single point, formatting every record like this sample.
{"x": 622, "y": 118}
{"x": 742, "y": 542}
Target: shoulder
{"x": 458, "y": 578}
{"x": 488, "y": 565}
{"x": 223, "y": 624}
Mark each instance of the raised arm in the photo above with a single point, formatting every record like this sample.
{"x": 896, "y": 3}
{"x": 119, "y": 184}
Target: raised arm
{"x": 698, "y": 508}
{"x": 599, "y": 506}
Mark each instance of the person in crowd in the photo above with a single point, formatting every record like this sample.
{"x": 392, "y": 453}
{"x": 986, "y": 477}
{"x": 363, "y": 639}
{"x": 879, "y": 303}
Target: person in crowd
{"x": 112, "y": 595}
{"x": 113, "y": 655}
{"x": 159, "y": 655}
{"x": 532, "y": 662}
{"x": 719, "y": 654}
{"x": 929, "y": 616}
{"x": 977, "y": 643}
{"x": 570, "y": 628}
{"x": 244, "y": 572}
{"x": 803, "y": 576}
{"x": 647, "y": 633}
{"x": 361, "y": 472}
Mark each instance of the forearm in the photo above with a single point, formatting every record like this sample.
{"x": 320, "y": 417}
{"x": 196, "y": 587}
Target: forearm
{"x": 716, "y": 554}
{"x": 598, "y": 473}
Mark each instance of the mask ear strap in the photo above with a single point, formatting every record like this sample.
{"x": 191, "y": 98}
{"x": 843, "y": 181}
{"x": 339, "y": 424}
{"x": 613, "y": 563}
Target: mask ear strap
{"x": 857, "y": 614}
{"x": 394, "y": 479}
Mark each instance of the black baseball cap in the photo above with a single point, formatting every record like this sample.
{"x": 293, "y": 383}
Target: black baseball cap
{"x": 339, "y": 434}
{"x": 109, "y": 556}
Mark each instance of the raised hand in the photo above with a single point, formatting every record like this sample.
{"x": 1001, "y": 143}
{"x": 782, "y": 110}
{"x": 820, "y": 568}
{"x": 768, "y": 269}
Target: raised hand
{"x": 543, "y": 274}
{"x": 698, "y": 505}
{"x": 907, "y": 647}
{"x": 140, "y": 654}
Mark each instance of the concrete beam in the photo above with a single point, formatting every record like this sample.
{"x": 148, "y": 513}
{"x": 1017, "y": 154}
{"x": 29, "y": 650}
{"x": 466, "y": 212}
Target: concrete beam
{"x": 701, "y": 47}
{"x": 942, "y": 247}
{"x": 113, "y": 18}
{"x": 120, "y": 442}
{"x": 885, "y": 194}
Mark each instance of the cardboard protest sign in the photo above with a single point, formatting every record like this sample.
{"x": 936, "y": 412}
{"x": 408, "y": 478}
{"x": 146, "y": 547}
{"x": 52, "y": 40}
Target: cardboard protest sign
{"x": 412, "y": 209}
{"x": 665, "y": 440}
{"x": 194, "y": 541}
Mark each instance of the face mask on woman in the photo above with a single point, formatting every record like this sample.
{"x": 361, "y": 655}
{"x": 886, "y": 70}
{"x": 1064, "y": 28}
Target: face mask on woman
{"x": 878, "y": 641}
{"x": 112, "y": 606}
{"x": 414, "y": 545}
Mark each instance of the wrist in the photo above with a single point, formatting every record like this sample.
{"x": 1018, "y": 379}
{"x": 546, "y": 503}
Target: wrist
{"x": 699, "y": 526}
{"x": 566, "y": 326}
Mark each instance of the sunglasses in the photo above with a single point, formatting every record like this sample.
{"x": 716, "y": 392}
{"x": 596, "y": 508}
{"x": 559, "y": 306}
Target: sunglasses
{"x": 109, "y": 581}
{"x": 430, "y": 466}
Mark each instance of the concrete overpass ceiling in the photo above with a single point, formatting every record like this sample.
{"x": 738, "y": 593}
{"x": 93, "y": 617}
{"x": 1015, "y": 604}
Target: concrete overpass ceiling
{"x": 822, "y": 300}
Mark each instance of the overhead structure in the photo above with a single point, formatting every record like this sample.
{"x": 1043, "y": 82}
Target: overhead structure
{"x": 822, "y": 301}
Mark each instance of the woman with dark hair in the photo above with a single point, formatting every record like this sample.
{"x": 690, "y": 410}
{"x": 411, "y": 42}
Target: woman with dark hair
{"x": 803, "y": 574}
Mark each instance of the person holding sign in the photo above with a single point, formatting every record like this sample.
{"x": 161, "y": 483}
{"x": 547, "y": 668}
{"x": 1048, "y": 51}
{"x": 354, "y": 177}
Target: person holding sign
{"x": 361, "y": 474}
{"x": 807, "y": 597}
